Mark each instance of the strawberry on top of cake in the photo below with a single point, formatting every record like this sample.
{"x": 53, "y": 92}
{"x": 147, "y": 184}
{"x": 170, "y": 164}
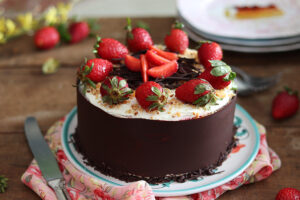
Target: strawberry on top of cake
{"x": 161, "y": 82}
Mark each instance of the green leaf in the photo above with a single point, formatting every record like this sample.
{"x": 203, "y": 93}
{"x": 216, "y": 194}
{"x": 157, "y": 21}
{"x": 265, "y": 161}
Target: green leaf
{"x": 3, "y": 183}
{"x": 220, "y": 70}
{"x": 203, "y": 100}
{"x": 230, "y": 76}
{"x": 114, "y": 82}
{"x": 143, "y": 25}
{"x": 107, "y": 99}
{"x": 50, "y": 66}
{"x": 153, "y": 106}
{"x": 91, "y": 83}
{"x": 156, "y": 91}
{"x": 93, "y": 25}
{"x": 200, "y": 88}
{"x": 122, "y": 84}
{"x": 217, "y": 63}
{"x": 63, "y": 31}
{"x": 152, "y": 98}
{"x": 178, "y": 25}
{"x": 105, "y": 87}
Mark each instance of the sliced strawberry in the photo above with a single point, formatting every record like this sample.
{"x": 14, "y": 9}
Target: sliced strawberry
{"x": 155, "y": 59}
{"x": 144, "y": 68}
{"x": 133, "y": 63}
{"x": 165, "y": 54}
{"x": 164, "y": 71}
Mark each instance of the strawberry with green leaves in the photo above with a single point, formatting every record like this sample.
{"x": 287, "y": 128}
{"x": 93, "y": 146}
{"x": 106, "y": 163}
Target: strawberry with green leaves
{"x": 110, "y": 49}
{"x": 78, "y": 31}
{"x": 114, "y": 90}
{"x": 219, "y": 76}
{"x": 151, "y": 96}
{"x": 197, "y": 92}
{"x": 285, "y": 104}
{"x": 138, "y": 39}
{"x": 177, "y": 40}
{"x": 94, "y": 71}
{"x": 209, "y": 51}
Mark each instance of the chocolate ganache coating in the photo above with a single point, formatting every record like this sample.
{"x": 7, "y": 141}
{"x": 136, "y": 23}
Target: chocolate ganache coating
{"x": 156, "y": 151}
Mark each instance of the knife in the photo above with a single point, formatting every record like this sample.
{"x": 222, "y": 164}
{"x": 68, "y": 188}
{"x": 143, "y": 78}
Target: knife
{"x": 45, "y": 158}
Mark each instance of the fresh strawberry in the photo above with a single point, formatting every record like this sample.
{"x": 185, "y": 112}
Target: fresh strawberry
{"x": 196, "y": 91}
{"x": 219, "y": 76}
{"x": 163, "y": 71}
{"x": 155, "y": 59}
{"x": 46, "y": 38}
{"x": 165, "y": 54}
{"x": 177, "y": 40}
{"x": 114, "y": 90}
{"x": 209, "y": 51}
{"x": 110, "y": 49}
{"x": 133, "y": 63}
{"x": 144, "y": 68}
{"x": 151, "y": 96}
{"x": 285, "y": 104}
{"x": 138, "y": 39}
{"x": 78, "y": 31}
{"x": 94, "y": 71}
{"x": 288, "y": 194}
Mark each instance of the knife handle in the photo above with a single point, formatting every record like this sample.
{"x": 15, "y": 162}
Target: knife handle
{"x": 59, "y": 187}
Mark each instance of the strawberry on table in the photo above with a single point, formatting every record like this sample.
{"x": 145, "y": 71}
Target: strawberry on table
{"x": 110, "y": 49}
{"x": 94, "y": 71}
{"x": 132, "y": 63}
{"x": 151, "y": 96}
{"x": 164, "y": 70}
{"x": 155, "y": 59}
{"x": 114, "y": 90}
{"x": 78, "y": 31}
{"x": 209, "y": 51}
{"x": 288, "y": 194}
{"x": 177, "y": 40}
{"x": 219, "y": 76}
{"x": 285, "y": 104}
{"x": 138, "y": 39}
{"x": 46, "y": 38}
{"x": 164, "y": 54}
{"x": 196, "y": 91}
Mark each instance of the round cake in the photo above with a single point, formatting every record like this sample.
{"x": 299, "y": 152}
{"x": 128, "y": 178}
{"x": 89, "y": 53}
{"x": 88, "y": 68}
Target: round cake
{"x": 142, "y": 119}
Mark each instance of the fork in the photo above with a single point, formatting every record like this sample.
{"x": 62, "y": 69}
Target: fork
{"x": 248, "y": 84}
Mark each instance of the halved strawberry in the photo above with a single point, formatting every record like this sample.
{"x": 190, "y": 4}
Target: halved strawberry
{"x": 155, "y": 59}
{"x": 163, "y": 71}
{"x": 133, "y": 63}
{"x": 144, "y": 68}
{"x": 165, "y": 54}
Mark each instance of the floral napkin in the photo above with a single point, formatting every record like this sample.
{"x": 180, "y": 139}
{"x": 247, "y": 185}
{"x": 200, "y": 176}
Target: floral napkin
{"x": 82, "y": 187}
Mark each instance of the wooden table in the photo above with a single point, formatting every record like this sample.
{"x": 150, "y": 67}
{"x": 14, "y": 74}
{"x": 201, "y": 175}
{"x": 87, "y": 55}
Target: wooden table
{"x": 25, "y": 91}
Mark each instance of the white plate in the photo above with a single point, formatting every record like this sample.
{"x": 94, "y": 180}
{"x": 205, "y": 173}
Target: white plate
{"x": 246, "y": 49}
{"x": 244, "y": 42}
{"x": 232, "y": 167}
{"x": 209, "y": 16}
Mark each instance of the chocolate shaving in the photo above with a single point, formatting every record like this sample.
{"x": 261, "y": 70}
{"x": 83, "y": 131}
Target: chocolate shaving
{"x": 186, "y": 71}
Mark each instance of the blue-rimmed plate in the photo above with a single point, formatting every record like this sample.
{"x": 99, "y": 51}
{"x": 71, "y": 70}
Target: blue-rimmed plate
{"x": 235, "y": 164}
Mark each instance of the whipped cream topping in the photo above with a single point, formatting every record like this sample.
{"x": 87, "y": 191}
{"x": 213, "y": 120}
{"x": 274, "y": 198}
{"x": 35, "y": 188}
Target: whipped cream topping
{"x": 174, "y": 110}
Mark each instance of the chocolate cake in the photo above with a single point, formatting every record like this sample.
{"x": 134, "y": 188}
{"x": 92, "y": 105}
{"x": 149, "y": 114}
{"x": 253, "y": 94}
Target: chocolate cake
{"x": 164, "y": 136}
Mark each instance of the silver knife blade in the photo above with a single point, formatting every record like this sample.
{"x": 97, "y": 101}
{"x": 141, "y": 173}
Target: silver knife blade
{"x": 41, "y": 151}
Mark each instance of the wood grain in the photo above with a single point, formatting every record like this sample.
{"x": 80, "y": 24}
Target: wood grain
{"x": 25, "y": 91}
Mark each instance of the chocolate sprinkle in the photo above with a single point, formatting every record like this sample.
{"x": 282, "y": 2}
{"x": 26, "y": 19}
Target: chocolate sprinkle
{"x": 186, "y": 71}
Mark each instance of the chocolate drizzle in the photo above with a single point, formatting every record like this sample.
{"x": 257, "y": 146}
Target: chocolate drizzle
{"x": 186, "y": 71}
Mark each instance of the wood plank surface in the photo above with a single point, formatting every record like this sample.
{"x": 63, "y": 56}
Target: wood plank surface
{"x": 24, "y": 91}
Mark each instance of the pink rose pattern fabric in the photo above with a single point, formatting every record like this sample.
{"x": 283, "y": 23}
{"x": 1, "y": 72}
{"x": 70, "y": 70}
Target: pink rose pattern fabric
{"x": 83, "y": 187}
